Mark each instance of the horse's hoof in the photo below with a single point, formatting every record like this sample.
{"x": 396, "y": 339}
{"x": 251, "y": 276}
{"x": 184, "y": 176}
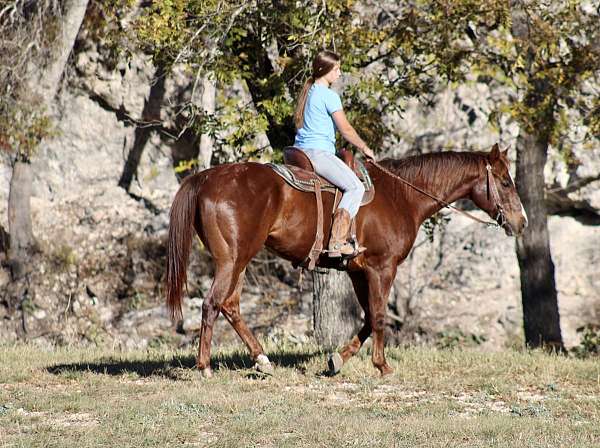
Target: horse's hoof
{"x": 206, "y": 373}
{"x": 263, "y": 365}
{"x": 335, "y": 363}
{"x": 385, "y": 370}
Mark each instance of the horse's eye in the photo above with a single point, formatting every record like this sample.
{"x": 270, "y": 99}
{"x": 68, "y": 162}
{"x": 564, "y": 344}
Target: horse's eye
{"x": 505, "y": 183}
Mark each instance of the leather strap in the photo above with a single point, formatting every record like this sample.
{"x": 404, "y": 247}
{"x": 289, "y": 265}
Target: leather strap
{"x": 336, "y": 200}
{"x": 441, "y": 201}
{"x": 317, "y": 247}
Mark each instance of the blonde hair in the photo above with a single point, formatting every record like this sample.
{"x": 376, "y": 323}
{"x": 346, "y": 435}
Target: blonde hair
{"x": 323, "y": 63}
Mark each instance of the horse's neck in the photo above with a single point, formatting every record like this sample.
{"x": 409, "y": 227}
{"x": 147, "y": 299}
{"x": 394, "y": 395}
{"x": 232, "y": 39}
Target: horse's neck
{"x": 445, "y": 182}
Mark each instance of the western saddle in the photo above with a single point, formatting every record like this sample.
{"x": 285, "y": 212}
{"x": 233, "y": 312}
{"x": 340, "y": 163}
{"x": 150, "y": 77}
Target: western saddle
{"x": 299, "y": 173}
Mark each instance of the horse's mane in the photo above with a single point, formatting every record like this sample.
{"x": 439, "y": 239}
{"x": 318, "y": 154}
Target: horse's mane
{"x": 435, "y": 171}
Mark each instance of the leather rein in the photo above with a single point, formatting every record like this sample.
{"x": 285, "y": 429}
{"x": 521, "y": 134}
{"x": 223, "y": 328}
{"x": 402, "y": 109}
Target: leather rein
{"x": 491, "y": 189}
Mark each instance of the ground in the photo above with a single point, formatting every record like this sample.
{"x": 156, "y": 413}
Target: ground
{"x": 93, "y": 397}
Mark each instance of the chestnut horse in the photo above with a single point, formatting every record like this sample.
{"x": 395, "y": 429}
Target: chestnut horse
{"x": 237, "y": 208}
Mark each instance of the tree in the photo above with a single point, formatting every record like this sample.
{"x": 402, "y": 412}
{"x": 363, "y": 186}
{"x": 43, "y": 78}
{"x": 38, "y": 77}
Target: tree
{"x": 30, "y": 78}
{"x": 207, "y": 102}
{"x": 557, "y": 44}
{"x": 336, "y": 312}
{"x": 545, "y": 56}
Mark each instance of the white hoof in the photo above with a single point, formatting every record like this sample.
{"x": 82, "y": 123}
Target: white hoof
{"x": 335, "y": 363}
{"x": 206, "y": 373}
{"x": 263, "y": 365}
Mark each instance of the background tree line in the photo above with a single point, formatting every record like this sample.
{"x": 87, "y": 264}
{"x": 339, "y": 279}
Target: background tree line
{"x": 543, "y": 53}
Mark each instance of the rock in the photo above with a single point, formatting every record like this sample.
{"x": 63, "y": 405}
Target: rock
{"x": 4, "y": 278}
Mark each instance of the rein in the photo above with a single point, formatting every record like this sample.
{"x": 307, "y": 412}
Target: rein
{"x": 490, "y": 181}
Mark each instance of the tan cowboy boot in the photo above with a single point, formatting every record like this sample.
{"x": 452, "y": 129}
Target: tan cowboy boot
{"x": 338, "y": 244}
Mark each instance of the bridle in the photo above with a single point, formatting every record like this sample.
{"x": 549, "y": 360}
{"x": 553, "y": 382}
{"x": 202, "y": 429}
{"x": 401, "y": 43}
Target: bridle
{"x": 492, "y": 190}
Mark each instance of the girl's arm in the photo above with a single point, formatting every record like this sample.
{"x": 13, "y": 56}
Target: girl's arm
{"x": 348, "y": 132}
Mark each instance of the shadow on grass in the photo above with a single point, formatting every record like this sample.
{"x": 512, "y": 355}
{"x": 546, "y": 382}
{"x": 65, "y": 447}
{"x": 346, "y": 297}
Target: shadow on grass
{"x": 171, "y": 368}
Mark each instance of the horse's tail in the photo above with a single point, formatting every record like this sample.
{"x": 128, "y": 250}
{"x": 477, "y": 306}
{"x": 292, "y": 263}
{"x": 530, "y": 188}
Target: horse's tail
{"x": 181, "y": 231}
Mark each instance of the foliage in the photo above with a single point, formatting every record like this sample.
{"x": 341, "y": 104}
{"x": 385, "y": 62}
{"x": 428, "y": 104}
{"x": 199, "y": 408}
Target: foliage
{"x": 389, "y": 55}
{"x": 187, "y": 165}
{"x": 545, "y": 56}
{"x": 23, "y": 124}
{"x": 389, "y": 52}
{"x": 436, "y": 222}
{"x": 64, "y": 257}
{"x": 104, "y": 26}
{"x": 28, "y": 30}
{"x": 590, "y": 341}
{"x": 455, "y": 339}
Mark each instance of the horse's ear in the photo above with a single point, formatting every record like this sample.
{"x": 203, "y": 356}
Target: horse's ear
{"x": 505, "y": 152}
{"x": 494, "y": 153}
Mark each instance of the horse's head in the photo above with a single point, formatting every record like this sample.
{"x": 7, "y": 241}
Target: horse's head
{"x": 496, "y": 193}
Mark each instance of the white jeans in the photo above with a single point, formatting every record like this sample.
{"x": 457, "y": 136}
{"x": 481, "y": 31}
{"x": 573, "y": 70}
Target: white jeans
{"x": 332, "y": 168}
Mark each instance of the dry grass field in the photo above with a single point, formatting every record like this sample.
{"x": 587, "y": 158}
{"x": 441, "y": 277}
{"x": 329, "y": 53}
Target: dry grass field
{"x": 435, "y": 398}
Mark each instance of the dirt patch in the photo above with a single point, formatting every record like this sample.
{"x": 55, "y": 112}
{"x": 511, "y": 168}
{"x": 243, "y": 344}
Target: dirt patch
{"x": 78, "y": 419}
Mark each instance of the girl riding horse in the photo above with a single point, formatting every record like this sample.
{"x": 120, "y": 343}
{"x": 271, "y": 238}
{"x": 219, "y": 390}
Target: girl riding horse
{"x": 318, "y": 113}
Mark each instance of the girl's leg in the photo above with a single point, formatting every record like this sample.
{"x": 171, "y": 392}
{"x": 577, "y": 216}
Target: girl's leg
{"x": 329, "y": 166}
{"x": 332, "y": 168}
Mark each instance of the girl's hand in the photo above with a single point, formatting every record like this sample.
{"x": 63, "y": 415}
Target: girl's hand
{"x": 368, "y": 153}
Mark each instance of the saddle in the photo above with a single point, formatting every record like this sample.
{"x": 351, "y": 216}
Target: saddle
{"x": 299, "y": 173}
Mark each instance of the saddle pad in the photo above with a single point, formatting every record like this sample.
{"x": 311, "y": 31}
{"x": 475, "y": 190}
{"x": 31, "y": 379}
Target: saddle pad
{"x": 304, "y": 180}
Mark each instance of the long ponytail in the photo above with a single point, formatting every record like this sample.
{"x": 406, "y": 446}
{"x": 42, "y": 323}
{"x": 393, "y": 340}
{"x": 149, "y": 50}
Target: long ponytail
{"x": 299, "y": 114}
{"x": 323, "y": 63}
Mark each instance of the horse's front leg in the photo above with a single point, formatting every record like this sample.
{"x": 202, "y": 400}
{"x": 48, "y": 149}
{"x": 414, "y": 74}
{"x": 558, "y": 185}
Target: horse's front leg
{"x": 380, "y": 279}
{"x": 372, "y": 287}
{"x": 361, "y": 289}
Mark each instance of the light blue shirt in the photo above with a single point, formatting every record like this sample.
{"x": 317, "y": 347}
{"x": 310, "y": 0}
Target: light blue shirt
{"x": 318, "y": 131}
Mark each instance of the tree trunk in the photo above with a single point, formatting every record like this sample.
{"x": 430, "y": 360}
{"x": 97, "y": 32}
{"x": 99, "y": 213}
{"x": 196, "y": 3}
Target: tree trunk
{"x": 44, "y": 84}
{"x": 19, "y": 217}
{"x": 538, "y": 289}
{"x": 336, "y": 311}
{"x": 208, "y": 102}
{"x": 150, "y": 114}
{"x": 47, "y": 81}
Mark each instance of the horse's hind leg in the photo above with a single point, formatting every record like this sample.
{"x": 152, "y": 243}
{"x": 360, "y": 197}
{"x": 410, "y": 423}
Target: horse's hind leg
{"x": 231, "y": 311}
{"x": 230, "y": 257}
{"x": 224, "y": 285}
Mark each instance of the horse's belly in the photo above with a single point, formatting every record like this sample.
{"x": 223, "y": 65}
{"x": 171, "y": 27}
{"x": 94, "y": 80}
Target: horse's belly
{"x": 294, "y": 233}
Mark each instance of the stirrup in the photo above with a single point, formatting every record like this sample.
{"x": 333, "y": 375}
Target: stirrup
{"x": 336, "y": 251}
{"x": 358, "y": 249}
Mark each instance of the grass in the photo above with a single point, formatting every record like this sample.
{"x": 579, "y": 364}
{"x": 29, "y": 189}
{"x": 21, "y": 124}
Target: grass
{"x": 94, "y": 397}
